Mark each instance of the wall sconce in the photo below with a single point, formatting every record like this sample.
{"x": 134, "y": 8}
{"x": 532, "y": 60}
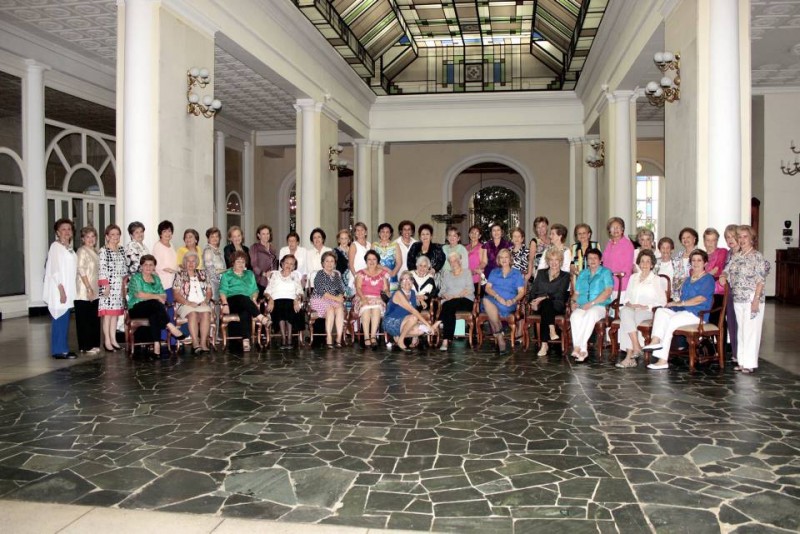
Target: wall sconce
{"x": 210, "y": 106}
{"x": 334, "y": 163}
{"x": 791, "y": 169}
{"x": 668, "y": 89}
{"x": 598, "y": 159}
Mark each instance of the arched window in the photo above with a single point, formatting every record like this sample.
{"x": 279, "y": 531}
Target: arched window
{"x": 293, "y": 209}
{"x": 233, "y": 209}
{"x": 648, "y": 186}
{"x": 12, "y": 260}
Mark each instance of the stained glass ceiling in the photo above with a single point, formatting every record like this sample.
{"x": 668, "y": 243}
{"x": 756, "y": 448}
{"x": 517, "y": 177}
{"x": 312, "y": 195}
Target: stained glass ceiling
{"x": 451, "y": 46}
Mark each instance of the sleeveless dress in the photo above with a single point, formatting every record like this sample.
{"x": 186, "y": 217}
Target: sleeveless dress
{"x": 359, "y": 263}
{"x": 395, "y": 315}
{"x": 388, "y": 259}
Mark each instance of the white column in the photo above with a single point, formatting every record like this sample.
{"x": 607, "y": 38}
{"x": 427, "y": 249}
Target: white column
{"x": 37, "y": 235}
{"x": 380, "y": 177}
{"x": 574, "y": 144}
{"x": 589, "y": 189}
{"x": 139, "y": 99}
{"x": 248, "y": 191}
{"x": 724, "y": 196}
{"x": 220, "y": 193}
{"x": 622, "y": 171}
{"x": 308, "y": 179}
{"x": 362, "y": 183}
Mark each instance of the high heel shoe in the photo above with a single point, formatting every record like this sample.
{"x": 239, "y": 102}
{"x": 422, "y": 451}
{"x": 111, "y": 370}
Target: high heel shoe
{"x": 112, "y": 349}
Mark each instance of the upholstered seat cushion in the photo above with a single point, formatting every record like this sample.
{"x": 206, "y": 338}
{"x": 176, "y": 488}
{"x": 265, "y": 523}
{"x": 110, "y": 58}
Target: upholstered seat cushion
{"x": 708, "y": 329}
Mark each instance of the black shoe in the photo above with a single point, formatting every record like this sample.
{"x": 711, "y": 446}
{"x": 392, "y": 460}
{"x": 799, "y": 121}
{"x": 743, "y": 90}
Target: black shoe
{"x": 61, "y": 356}
{"x": 71, "y": 355}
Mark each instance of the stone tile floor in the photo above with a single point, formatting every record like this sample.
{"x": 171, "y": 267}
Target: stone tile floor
{"x": 455, "y": 442}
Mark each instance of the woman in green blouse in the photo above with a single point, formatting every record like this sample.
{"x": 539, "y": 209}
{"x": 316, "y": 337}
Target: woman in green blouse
{"x": 238, "y": 293}
{"x": 146, "y": 299}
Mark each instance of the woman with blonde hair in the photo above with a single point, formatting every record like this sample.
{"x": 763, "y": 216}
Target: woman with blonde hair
{"x": 113, "y": 267}
{"x": 747, "y": 273}
{"x": 549, "y": 295}
{"x": 505, "y": 287}
{"x": 87, "y": 321}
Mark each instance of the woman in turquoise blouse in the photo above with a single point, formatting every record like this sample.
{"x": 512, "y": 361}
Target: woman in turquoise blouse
{"x": 593, "y": 289}
{"x": 146, "y": 299}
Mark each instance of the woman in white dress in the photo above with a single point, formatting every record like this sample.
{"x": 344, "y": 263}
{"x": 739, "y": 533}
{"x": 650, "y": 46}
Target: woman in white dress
{"x": 356, "y": 255}
{"x": 60, "y": 272}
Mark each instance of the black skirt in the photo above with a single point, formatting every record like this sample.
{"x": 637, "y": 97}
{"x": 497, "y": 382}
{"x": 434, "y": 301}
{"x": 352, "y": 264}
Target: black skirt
{"x": 284, "y": 311}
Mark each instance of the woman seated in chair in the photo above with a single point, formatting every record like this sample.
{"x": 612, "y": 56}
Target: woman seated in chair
{"x": 549, "y": 295}
{"x": 424, "y": 284}
{"x": 402, "y": 320}
{"x": 504, "y": 289}
{"x": 238, "y": 293}
{"x": 193, "y": 297}
{"x": 593, "y": 289}
{"x": 285, "y": 299}
{"x": 457, "y": 295}
{"x": 697, "y": 295}
{"x": 371, "y": 282}
{"x": 327, "y": 298}
{"x": 146, "y": 299}
{"x": 645, "y": 292}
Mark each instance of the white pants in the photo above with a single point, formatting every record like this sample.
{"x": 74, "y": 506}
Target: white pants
{"x": 665, "y": 323}
{"x": 630, "y": 319}
{"x": 748, "y": 335}
{"x": 582, "y": 323}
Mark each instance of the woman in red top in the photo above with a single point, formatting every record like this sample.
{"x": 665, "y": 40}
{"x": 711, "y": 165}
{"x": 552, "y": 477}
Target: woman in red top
{"x": 370, "y": 283}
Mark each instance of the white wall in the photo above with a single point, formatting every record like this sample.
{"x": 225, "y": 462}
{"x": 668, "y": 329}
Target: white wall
{"x": 781, "y": 200}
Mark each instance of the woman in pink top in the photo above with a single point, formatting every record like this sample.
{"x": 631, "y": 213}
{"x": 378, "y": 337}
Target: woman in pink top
{"x": 716, "y": 257}
{"x": 618, "y": 254}
{"x": 371, "y": 282}
{"x": 474, "y": 253}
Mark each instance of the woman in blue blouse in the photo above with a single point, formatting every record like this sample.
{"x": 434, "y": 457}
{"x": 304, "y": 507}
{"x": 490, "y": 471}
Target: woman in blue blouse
{"x": 504, "y": 289}
{"x": 402, "y": 320}
{"x": 697, "y": 293}
{"x": 593, "y": 290}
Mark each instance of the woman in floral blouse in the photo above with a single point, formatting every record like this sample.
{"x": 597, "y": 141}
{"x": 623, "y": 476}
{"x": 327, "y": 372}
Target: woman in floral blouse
{"x": 136, "y": 248}
{"x": 746, "y": 273}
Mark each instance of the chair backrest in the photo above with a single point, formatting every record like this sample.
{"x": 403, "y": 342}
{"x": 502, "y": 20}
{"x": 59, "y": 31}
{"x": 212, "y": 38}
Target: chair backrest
{"x": 666, "y": 284}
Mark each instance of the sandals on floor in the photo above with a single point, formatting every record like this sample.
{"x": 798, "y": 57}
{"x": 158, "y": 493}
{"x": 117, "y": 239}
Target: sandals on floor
{"x": 627, "y": 363}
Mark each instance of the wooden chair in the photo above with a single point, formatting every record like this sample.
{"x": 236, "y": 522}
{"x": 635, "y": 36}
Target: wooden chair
{"x": 612, "y": 312}
{"x": 257, "y": 332}
{"x": 468, "y": 317}
{"x": 697, "y": 333}
{"x": 613, "y": 331}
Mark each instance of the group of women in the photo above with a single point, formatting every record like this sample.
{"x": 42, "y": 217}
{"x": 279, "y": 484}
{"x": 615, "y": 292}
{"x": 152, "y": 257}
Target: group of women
{"x": 396, "y": 282}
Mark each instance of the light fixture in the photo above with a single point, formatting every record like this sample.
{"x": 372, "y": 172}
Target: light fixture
{"x": 668, "y": 89}
{"x": 598, "y": 159}
{"x": 790, "y": 168}
{"x": 449, "y": 218}
{"x": 638, "y": 167}
{"x": 210, "y": 105}
{"x": 334, "y": 163}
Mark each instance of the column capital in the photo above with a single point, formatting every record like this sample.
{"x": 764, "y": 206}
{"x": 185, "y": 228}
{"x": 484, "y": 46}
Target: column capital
{"x": 33, "y": 65}
{"x": 362, "y": 142}
{"x": 575, "y": 141}
{"x": 310, "y": 105}
{"x": 621, "y": 95}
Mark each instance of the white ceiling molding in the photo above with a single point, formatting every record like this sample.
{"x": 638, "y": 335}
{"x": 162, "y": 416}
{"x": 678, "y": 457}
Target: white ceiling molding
{"x": 774, "y": 90}
{"x": 276, "y": 138}
{"x": 186, "y": 11}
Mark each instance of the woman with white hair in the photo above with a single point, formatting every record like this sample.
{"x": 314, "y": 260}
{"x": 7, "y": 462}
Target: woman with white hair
{"x": 457, "y": 295}
{"x": 193, "y": 294}
{"x": 424, "y": 283}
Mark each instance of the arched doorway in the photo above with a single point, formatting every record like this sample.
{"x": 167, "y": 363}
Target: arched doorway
{"x": 475, "y": 172}
{"x": 494, "y": 204}
{"x": 490, "y": 192}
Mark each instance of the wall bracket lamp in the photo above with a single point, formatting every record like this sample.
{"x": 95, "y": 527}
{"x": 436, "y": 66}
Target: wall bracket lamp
{"x": 197, "y": 77}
